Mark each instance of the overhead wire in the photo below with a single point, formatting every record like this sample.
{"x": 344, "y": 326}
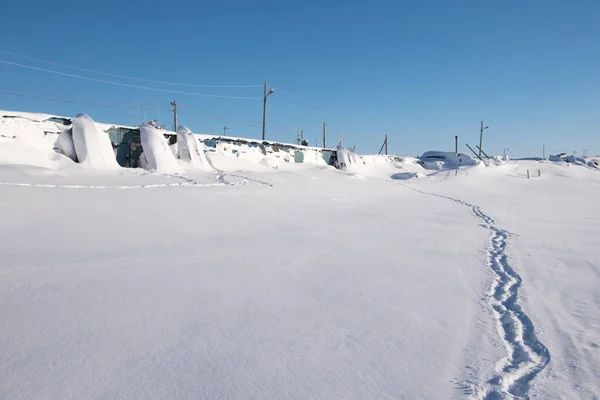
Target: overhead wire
{"x": 57, "y": 100}
{"x": 324, "y": 113}
{"x": 109, "y": 102}
{"x": 226, "y": 120}
{"x": 125, "y": 76}
{"x": 281, "y": 116}
{"x": 126, "y": 84}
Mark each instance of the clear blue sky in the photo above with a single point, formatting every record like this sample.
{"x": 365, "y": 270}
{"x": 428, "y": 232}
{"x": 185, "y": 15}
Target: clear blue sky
{"x": 420, "y": 71}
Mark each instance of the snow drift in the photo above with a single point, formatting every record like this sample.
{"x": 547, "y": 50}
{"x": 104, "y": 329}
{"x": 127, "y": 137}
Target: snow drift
{"x": 65, "y": 144}
{"x": 27, "y": 141}
{"x": 349, "y": 160}
{"x": 157, "y": 152}
{"x": 92, "y": 145}
{"x": 189, "y": 149}
{"x": 443, "y": 159}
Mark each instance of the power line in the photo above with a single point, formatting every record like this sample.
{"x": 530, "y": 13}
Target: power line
{"x": 324, "y": 113}
{"x": 124, "y": 76}
{"x": 125, "y": 84}
{"x": 281, "y": 116}
{"x": 217, "y": 119}
{"x": 70, "y": 101}
{"x": 125, "y": 104}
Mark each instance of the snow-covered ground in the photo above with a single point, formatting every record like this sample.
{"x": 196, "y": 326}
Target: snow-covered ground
{"x": 297, "y": 282}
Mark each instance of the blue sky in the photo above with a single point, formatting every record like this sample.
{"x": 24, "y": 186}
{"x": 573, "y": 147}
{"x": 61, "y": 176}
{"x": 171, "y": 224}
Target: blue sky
{"x": 421, "y": 72}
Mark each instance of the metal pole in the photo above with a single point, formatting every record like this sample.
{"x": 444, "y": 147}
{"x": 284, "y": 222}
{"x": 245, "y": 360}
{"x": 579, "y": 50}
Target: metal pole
{"x": 456, "y": 144}
{"x": 386, "y": 145}
{"x": 544, "y": 151}
{"x": 324, "y": 135}
{"x": 264, "y": 126}
{"x": 481, "y": 139}
{"x": 225, "y": 131}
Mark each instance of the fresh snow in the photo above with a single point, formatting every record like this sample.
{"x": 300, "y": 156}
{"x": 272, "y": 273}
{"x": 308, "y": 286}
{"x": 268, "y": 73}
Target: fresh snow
{"x": 422, "y": 279}
{"x": 158, "y": 155}
{"x": 190, "y": 150}
{"x": 92, "y": 145}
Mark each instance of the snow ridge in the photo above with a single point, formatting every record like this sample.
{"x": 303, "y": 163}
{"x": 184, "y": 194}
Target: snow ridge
{"x": 527, "y": 356}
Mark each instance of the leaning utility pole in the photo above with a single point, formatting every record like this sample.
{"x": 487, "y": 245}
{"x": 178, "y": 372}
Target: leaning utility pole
{"x": 324, "y": 135}
{"x": 386, "y": 145}
{"x": 174, "y": 104}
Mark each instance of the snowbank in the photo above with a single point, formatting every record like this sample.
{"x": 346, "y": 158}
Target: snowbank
{"x": 443, "y": 160}
{"x": 26, "y": 141}
{"x": 65, "y": 144}
{"x": 349, "y": 160}
{"x": 190, "y": 150}
{"x": 92, "y": 145}
{"x": 159, "y": 156}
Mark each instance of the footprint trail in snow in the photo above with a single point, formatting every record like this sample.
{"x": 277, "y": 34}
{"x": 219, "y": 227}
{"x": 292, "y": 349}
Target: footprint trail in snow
{"x": 526, "y": 355}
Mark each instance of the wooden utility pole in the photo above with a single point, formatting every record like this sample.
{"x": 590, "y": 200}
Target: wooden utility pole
{"x": 480, "y": 139}
{"x": 324, "y": 135}
{"x": 174, "y": 104}
{"x": 225, "y": 131}
{"x": 264, "y": 126}
{"x": 267, "y": 93}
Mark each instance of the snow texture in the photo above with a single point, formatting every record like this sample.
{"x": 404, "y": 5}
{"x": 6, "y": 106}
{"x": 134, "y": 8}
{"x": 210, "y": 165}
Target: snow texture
{"x": 442, "y": 160}
{"x": 65, "y": 144}
{"x": 300, "y": 282}
{"x": 349, "y": 160}
{"x": 190, "y": 150}
{"x": 157, "y": 152}
{"x": 92, "y": 145}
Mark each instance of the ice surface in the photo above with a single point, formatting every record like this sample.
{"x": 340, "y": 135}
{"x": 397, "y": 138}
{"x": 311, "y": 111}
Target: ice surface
{"x": 157, "y": 152}
{"x": 92, "y": 145}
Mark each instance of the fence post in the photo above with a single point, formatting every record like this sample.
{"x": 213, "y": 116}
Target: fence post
{"x": 456, "y": 172}
{"x": 527, "y": 174}
{"x": 539, "y": 172}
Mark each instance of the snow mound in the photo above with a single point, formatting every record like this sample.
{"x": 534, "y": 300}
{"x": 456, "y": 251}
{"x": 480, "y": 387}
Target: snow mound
{"x": 349, "y": 160}
{"x": 158, "y": 154}
{"x": 65, "y": 144}
{"x": 555, "y": 158}
{"x": 313, "y": 157}
{"x": 403, "y": 176}
{"x": 443, "y": 160}
{"x": 25, "y": 141}
{"x": 92, "y": 145}
{"x": 190, "y": 150}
